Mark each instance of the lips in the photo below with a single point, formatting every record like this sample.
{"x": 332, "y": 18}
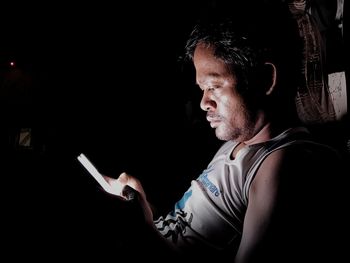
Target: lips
{"x": 213, "y": 119}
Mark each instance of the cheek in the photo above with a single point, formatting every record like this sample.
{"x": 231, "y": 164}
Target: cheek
{"x": 224, "y": 101}
{"x": 233, "y": 112}
{"x": 228, "y": 105}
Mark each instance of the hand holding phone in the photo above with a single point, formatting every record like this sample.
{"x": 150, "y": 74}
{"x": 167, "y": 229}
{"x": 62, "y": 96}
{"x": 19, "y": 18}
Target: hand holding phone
{"x": 118, "y": 189}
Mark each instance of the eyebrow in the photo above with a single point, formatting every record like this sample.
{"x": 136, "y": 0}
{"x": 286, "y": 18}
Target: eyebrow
{"x": 212, "y": 75}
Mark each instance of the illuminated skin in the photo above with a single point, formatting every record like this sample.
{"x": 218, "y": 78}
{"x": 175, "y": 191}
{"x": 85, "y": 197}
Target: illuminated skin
{"x": 125, "y": 179}
{"x": 226, "y": 109}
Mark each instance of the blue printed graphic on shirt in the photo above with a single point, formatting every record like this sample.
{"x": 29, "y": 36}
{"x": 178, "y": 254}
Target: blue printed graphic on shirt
{"x": 181, "y": 203}
{"x": 177, "y": 221}
{"x": 206, "y": 183}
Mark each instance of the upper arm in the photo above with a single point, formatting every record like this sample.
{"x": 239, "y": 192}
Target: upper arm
{"x": 295, "y": 191}
{"x": 262, "y": 205}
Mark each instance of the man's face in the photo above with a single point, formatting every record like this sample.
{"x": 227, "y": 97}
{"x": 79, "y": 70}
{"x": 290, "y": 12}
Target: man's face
{"x": 226, "y": 110}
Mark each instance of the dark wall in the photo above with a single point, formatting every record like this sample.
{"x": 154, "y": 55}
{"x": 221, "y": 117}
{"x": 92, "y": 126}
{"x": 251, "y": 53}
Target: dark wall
{"x": 105, "y": 80}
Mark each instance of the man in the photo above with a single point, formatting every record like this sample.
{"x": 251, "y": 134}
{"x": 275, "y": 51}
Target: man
{"x": 267, "y": 189}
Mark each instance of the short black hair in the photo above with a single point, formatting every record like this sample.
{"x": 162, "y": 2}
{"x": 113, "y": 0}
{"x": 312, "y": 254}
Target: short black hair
{"x": 246, "y": 34}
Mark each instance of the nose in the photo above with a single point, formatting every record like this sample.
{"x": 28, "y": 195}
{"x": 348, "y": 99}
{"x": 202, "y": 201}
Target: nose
{"x": 207, "y": 103}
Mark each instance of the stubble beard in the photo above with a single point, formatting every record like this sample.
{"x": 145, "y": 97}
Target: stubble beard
{"x": 230, "y": 130}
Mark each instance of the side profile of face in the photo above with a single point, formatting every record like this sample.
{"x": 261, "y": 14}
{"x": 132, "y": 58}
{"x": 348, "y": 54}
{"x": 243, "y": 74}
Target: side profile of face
{"x": 226, "y": 110}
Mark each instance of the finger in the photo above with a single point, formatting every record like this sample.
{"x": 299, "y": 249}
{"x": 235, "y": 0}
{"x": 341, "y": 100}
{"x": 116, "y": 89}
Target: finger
{"x": 126, "y": 179}
{"x": 123, "y": 178}
{"x": 108, "y": 179}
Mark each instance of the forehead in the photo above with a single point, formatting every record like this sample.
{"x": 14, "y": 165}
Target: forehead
{"x": 207, "y": 64}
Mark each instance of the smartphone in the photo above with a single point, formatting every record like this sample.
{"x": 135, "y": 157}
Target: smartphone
{"x": 95, "y": 173}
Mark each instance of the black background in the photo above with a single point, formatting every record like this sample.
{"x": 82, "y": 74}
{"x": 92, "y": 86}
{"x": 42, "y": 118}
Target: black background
{"x": 106, "y": 80}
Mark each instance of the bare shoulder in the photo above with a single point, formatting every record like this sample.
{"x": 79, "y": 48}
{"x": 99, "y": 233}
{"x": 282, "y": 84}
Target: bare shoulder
{"x": 306, "y": 159}
{"x": 298, "y": 186}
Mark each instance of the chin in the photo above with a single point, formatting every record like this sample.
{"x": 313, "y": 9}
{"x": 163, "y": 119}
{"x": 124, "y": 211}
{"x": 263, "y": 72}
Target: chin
{"x": 222, "y": 135}
{"x": 228, "y": 134}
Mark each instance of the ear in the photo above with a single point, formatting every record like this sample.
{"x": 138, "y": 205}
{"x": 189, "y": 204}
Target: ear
{"x": 271, "y": 75}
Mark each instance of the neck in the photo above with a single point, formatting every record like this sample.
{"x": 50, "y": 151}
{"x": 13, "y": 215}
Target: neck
{"x": 264, "y": 134}
{"x": 267, "y": 132}
{"x": 268, "y": 127}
